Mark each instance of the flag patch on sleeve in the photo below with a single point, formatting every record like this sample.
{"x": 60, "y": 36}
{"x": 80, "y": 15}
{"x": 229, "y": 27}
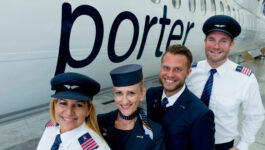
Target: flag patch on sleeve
{"x": 87, "y": 142}
{"x": 244, "y": 70}
{"x": 194, "y": 64}
{"x": 49, "y": 124}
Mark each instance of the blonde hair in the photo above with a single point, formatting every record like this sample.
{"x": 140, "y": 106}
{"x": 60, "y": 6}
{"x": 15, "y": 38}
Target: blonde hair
{"x": 91, "y": 121}
{"x": 141, "y": 85}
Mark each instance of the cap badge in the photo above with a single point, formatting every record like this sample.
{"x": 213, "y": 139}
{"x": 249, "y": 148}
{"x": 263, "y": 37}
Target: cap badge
{"x": 220, "y": 25}
{"x": 71, "y": 87}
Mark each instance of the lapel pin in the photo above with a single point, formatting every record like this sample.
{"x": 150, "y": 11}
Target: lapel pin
{"x": 139, "y": 136}
{"x": 183, "y": 107}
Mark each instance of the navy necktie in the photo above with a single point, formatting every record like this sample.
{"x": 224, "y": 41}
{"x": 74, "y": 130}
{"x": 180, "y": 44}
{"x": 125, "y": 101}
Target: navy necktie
{"x": 164, "y": 102}
{"x": 56, "y": 142}
{"x": 206, "y": 94}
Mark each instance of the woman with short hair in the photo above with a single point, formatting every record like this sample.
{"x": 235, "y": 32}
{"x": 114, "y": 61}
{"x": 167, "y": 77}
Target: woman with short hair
{"x": 128, "y": 127}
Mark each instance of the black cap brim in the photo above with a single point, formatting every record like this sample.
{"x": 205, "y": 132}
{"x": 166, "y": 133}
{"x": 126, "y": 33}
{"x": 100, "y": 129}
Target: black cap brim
{"x": 71, "y": 95}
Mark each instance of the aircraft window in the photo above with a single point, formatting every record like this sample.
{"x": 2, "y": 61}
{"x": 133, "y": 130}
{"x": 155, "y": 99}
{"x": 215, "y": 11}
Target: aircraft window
{"x": 222, "y": 7}
{"x": 203, "y": 6}
{"x": 156, "y": 1}
{"x": 228, "y": 10}
{"x": 213, "y": 7}
{"x": 234, "y": 13}
{"x": 192, "y": 5}
{"x": 176, "y": 3}
{"x": 241, "y": 17}
{"x": 238, "y": 16}
{"x": 264, "y": 7}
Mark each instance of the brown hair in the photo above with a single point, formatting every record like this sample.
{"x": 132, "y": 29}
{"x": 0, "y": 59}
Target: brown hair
{"x": 180, "y": 50}
{"x": 91, "y": 120}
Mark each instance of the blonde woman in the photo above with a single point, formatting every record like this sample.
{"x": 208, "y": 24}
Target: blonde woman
{"x": 73, "y": 124}
{"x": 128, "y": 127}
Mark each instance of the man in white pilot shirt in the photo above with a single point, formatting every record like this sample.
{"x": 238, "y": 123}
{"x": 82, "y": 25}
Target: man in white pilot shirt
{"x": 233, "y": 85}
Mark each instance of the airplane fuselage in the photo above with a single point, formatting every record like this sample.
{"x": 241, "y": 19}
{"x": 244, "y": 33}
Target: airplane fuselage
{"x": 40, "y": 39}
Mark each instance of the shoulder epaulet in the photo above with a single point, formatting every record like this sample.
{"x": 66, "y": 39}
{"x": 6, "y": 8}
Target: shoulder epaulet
{"x": 244, "y": 70}
{"x": 87, "y": 142}
{"x": 49, "y": 124}
{"x": 194, "y": 64}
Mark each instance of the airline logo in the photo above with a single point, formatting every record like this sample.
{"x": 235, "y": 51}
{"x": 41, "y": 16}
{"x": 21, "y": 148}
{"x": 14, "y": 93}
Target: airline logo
{"x": 178, "y": 31}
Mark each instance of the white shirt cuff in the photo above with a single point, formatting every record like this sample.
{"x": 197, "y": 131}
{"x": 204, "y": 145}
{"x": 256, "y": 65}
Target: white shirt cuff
{"x": 242, "y": 145}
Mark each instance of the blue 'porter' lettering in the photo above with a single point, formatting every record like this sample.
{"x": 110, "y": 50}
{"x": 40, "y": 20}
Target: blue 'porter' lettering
{"x": 69, "y": 17}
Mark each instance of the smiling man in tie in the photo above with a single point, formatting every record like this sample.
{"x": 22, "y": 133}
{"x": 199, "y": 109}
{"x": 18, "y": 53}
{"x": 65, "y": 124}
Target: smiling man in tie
{"x": 224, "y": 85}
{"x": 188, "y": 123}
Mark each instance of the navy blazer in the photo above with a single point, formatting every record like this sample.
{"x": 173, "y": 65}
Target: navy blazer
{"x": 138, "y": 139}
{"x": 188, "y": 125}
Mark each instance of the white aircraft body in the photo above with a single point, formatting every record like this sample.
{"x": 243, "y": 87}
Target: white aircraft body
{"x": 41, "y": 38}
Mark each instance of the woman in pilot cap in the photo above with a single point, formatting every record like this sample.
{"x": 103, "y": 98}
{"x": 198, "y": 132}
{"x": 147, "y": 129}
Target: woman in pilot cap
{"x": 128, "y": 127}
{"x": 73, "y": 124}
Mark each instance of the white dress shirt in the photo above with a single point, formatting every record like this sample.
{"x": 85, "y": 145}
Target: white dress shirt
{"x": 230, "y": 90}
{"x": 172, "y": 99}
{"x": 70, "y": 138}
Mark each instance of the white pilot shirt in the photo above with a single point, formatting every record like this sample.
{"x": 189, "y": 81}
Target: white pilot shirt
{"x": 230, "y": 89}
{"x": 69, "y": 139}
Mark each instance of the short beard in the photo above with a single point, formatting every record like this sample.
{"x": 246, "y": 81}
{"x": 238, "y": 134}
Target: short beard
{"x": 176, "y": 88}
{"x": 216, "y": 63}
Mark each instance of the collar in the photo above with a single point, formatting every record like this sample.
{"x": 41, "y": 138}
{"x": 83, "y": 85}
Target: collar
{"x": 172, "y": 99}
{"x": 68, "y": 136}
{"x": 221, "y": 70}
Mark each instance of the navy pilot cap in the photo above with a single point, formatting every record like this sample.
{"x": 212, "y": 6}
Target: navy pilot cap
{"x": 222, "y": 23}
{"x": 74, "y": 86}
{"x": 126, "y": 75}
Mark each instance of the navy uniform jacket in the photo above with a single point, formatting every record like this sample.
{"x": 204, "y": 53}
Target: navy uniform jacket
{"x": 188, "y": 125}
{"x": 138, "y": 140}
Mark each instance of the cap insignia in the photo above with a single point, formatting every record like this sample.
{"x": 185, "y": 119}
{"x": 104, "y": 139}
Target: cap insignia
{"x": 71, "y": 87}
{"x": 220, "y": 25}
